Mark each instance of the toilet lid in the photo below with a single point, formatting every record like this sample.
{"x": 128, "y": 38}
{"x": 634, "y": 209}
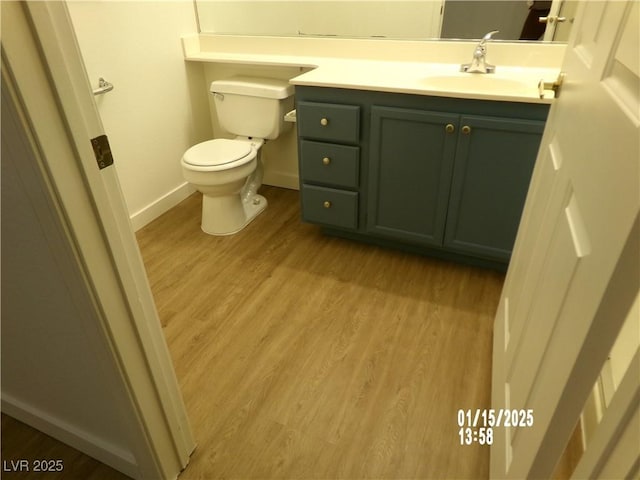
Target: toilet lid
{"x": 217, "y": 152}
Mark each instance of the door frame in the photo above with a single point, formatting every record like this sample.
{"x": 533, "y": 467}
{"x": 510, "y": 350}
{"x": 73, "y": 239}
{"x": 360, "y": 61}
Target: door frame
{"x": 43, "y": 62}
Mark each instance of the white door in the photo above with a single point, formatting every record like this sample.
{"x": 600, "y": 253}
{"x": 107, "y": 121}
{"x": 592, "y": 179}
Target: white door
{"x": 574, "y": 272}
{"x": 47, "y": 73}
{"x": 560, "y": 20}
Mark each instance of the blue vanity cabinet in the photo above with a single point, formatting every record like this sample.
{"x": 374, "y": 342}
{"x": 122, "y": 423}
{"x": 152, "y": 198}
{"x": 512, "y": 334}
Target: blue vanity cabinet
{"x": 492, "y": 170}
{"x": 410, "y": 165}
{"x": 439, "y": 176}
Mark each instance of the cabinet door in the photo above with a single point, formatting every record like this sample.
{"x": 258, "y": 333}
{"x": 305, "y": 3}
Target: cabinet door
{"x": 493, "y": 165}
{"x": 411, "y": 160}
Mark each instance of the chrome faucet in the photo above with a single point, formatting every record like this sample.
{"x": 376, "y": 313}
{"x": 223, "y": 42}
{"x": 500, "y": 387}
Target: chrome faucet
{"x": 478, "y": 63}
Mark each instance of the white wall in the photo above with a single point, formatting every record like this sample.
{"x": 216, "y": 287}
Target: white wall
{"x": 159, "y": 105}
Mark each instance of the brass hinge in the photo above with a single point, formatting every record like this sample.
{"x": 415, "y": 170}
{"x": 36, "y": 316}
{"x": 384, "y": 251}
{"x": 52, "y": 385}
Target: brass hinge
{"x": 102, "y": 151}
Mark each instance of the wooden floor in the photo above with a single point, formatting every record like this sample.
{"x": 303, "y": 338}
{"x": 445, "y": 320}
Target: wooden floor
{"x": 306, "y": 356}
{"x": 302, "y": 356}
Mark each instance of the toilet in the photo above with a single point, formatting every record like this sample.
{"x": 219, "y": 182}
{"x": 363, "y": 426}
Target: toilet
{"x": 229, "y": 172}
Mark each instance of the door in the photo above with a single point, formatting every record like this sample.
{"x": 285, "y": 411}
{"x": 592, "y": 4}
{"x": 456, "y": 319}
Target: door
{"x": 560, "y": 20}
{"x": 41, "y": 56}
{"x": 491, "y": 175}
{"x": 574, "y": 272}
{"x": 567, "y": 15}
{"x": 410, "y": 172}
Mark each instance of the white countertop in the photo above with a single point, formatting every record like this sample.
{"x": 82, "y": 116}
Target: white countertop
{"x": 418, "y": 68}
{"x": 514, "y": 84}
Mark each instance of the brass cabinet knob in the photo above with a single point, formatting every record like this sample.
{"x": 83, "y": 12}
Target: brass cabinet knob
{"x": 450, "y": 128}
{"x": 327, "y": 204}
{"x": 326, "y": 161}
{"x": 466, "y": 130}
{"x": 324, "y": 122}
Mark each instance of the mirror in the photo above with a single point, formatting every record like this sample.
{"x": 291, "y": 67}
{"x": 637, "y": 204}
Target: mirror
{"x": 393, "y": 19}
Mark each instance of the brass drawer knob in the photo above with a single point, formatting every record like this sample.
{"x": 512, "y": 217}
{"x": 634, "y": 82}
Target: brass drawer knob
{"x": 466, "y": 130}
{"x": 450, "y": 128}
{"x": 327, "y": 204}
{"x": 324, "y": 122}
{"x": 326, "y": 161}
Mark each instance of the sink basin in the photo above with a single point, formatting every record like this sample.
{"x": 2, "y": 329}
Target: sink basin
{"x": 479, "y": 83}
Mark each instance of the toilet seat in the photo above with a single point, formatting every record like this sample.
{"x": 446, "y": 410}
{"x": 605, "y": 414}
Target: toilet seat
{"x": 218, "y": 154}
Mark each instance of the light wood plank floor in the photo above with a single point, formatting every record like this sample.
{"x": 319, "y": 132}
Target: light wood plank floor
{"x": 306, "y": 356}
{"x": 347, "y": 361}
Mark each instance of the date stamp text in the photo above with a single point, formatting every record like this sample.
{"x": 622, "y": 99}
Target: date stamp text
{"x": 477, "y": 426}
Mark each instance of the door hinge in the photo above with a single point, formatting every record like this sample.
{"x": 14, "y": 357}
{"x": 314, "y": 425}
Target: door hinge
{"x": 102, "y": 151}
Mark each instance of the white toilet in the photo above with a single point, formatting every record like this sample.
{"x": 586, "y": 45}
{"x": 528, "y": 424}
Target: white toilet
{"x": 229, "y": 172}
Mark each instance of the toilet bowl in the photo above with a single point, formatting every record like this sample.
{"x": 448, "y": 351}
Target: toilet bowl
{"x": 226, "y": 172}
{"x": 229, "y": 172}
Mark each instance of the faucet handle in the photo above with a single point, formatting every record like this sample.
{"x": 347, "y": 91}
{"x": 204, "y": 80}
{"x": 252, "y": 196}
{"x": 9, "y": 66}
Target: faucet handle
{"x": 488, "y": 36}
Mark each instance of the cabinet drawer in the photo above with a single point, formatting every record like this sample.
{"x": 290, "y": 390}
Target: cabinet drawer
{"x": 329, "y": 163}
{"x": 328, "y": 206}
{"x": 327, "y": 121}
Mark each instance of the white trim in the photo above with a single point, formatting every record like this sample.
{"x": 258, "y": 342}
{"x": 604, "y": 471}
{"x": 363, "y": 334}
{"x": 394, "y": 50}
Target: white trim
{"x": 79, "y": 439}
{"x": 592, "y": 413}
{"x": 614, "y": 450}
{"x": 606, "y": 379}
{"x": 163, "y": 204}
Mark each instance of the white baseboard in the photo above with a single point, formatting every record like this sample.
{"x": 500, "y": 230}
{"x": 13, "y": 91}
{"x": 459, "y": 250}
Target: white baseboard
{"x": 89, "y": 444}
{"x": 156, "y": 208}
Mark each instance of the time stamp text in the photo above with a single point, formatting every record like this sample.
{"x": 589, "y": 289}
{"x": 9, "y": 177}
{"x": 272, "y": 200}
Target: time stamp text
{"x": 477, "y": 426}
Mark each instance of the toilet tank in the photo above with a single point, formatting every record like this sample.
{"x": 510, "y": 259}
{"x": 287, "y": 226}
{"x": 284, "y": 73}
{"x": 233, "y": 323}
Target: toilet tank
{"x": 252, "y": 106}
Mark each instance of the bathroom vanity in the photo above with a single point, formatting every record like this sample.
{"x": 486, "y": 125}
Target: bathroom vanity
{"x": 431, "y": 174}
{"x": 397, "y": 147}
